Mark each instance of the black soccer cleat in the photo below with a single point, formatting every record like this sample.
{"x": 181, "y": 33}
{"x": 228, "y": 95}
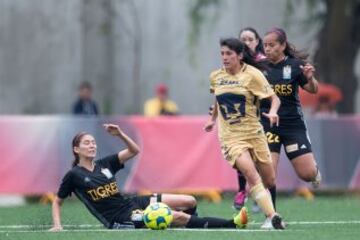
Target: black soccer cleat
{"x": 277, "y": 222}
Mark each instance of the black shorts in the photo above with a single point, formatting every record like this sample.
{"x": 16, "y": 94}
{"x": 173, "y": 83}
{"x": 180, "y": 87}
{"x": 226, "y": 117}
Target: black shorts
{"x": 141, "y": 202}
{"x": 296, "y": 141}
{"x": 138, "y": 203}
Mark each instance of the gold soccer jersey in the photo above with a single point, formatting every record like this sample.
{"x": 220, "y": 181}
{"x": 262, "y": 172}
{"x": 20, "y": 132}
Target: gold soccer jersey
{"x": 237, "y": 99}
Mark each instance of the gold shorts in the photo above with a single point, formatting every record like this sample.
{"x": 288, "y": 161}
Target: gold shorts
{"x": 257, "y": 147}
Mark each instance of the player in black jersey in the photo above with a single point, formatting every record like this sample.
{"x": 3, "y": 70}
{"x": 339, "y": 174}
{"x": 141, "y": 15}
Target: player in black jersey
{"x": 94, "y": 183}
{"x": 287, "y": 71}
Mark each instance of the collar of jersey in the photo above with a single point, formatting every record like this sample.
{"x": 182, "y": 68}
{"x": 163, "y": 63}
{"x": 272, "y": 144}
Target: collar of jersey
{"x": 281, "y": 62}
{"x": 242, "y": 69}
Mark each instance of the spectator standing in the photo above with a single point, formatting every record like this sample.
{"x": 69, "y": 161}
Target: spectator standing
{"x": 85, "y": 105}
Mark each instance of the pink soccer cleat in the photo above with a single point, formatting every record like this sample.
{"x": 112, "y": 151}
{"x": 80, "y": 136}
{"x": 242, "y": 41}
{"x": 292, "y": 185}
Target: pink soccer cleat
{"x": 240, "y": 199}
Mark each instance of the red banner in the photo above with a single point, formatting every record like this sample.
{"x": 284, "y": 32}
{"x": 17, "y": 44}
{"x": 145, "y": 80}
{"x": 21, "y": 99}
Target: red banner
{"x": 29, "y": 159}
{"x": 176, "y": 153}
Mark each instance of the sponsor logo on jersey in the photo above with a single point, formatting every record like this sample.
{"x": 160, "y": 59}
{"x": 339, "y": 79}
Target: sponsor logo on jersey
{"x": 292, "y": 148}
{"x": 287, "y": 72}
{"x": 106, "y": 172}
{"x": 104, "y": 191}
{"x": 223, "y": 82}
{"x": 283, "y": 89}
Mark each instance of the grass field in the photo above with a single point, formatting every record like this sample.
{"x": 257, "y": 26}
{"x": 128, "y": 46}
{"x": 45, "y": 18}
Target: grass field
{"x": 324, "y": 218}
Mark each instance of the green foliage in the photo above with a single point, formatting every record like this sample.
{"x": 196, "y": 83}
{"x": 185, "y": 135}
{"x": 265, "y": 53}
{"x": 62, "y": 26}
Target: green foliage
{"x": 200, "y": 13}
{"x": 315, "y": 13}
{"x": 107, "y": 108}
{"x": 31, "y": 108}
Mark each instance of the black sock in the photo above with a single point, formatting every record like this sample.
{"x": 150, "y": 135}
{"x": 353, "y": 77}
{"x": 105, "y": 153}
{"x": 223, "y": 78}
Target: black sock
{"x": 272, "y": 191}
{"x": 209, "y": 222}
{"x": 191, "y": 211}
{"x": 242, "y": 181}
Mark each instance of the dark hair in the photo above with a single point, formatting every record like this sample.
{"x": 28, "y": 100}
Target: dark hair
{"x": 85, "y": 84}
{"x": 259, "y": 47}
{"x": 240, "y": 48}
{"x": 290, "y": 49}
{"x": 75, "y": 143}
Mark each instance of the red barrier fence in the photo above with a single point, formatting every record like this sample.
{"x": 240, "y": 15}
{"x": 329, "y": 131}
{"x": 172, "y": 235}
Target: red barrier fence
{"x": 35, "y": 152}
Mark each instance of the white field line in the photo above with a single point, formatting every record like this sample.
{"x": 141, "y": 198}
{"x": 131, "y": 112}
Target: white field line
{"x": 49, "y": 226}
{"x": 100, "y": 228}
{"x": 137, "y": 230}
{"x": 317, "y": 222}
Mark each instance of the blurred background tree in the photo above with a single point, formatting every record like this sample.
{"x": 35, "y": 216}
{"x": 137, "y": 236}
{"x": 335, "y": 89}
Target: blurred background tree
{"x": 337, "y": 35}
{"x": 338, "y": 44}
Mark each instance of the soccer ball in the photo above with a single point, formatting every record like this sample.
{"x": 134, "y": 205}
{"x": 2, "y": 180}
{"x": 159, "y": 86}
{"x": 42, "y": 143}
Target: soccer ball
{"x": 157, "y": 216}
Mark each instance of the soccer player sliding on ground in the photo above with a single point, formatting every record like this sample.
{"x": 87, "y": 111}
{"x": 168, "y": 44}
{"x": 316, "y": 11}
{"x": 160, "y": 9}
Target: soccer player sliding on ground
{"x": 94, "y": 183}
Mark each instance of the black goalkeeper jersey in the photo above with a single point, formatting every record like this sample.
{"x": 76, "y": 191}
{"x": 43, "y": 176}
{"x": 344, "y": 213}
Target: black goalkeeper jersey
{"x": 285, "y": 78}
{"x": 98, "y": 190}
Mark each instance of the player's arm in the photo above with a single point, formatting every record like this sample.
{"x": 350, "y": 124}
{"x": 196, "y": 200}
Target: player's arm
{"x": 262, "y": 89}
{"x": 211, "y": 122}
{"x": 56, "y": 214}
{"x": 272, "y": 114}
{"x": 312, "y": 85}
{"x": 213, "y": 109}
{"x": 132, "y": 148}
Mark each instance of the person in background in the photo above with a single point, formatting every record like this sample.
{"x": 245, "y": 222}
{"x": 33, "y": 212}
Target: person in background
{"x": 160, "y": 104}
{"x": 85, "y": 105}
{"x": 325, "y": 108}
{"x": 252, "y": 39}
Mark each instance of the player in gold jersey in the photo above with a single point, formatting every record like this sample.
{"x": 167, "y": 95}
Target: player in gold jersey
{"x": 238, "y": 87}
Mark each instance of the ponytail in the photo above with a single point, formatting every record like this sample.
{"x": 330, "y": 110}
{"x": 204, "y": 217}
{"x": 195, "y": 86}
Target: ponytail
{"x": 292, "y": 52}
{"x": 75, "y": 143}
{"x": 75, "y": 161}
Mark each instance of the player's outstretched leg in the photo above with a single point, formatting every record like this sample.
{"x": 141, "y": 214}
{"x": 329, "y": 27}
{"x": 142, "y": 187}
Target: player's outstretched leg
{"x": 182, "y": 219}
{"x": 242, "y": 218}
